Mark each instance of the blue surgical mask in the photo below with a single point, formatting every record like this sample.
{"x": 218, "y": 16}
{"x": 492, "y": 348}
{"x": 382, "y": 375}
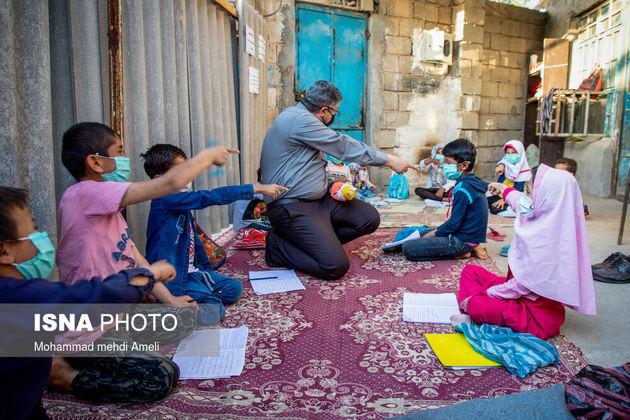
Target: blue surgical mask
{"x": 42, "y": 265}
{"x": 451, "y": 172}
{"x": 333, "y": 160}
{"x": 121, "y": 174}
{"x": 511, "y": 158}
{"x": 439, "y": 157}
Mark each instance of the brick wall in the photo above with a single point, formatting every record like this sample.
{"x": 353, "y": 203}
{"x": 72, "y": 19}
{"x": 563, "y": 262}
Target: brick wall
{"x": 413, "y": 105}
{"x": 510, "y": 35}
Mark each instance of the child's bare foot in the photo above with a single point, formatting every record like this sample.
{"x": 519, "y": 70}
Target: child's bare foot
{"x": 480, "y": 252}
{"x": 61, "y": 375}
{"x": 463, "y": 256}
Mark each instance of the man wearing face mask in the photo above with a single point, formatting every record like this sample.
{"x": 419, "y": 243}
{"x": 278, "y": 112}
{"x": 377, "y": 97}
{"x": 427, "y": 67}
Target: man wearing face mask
{"x": 309, "y": 225}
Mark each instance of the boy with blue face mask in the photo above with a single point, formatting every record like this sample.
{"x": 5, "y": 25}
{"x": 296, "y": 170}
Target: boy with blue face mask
{"x": 26, "y": 260}
{"x": 94, "y": 239}
{"x": 466, "y": 228}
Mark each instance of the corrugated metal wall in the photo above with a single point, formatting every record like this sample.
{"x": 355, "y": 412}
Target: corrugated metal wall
{"x": 253, "y": 105}
{"x": 179, "y": 87}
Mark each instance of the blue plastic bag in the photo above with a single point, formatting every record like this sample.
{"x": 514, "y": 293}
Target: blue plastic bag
{"x": 398, "y": 187}
{"x": 402, "y": 234}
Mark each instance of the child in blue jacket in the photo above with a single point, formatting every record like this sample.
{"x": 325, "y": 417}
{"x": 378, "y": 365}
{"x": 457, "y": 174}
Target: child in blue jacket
{"x": 27, "y": 257}
{"x": 171, "y": 235}
{"x": 466, "y": 228}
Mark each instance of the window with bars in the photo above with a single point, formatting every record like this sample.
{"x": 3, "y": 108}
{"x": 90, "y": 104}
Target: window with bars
{"x": 599, "y": 37}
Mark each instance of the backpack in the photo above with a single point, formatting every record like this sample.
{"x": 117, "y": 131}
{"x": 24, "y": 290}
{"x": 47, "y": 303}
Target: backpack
{"x": 398, "y": 187}
{"x": 215, "y": 253}
{"x": 597, "y": 392}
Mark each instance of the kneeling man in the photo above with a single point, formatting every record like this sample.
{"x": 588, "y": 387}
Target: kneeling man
{"x": 309, "y": 225}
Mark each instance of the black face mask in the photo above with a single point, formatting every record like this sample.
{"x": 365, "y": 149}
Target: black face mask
{"x": 332, "y": 120}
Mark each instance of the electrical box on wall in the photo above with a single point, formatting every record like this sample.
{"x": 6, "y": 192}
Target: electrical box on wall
{"x": 436, "y": 47}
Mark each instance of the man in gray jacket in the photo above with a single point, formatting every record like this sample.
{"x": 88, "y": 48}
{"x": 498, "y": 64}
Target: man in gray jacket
{"x": 309, "y": 225}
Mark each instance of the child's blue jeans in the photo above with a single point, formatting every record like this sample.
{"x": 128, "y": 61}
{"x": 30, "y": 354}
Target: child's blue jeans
{"x": 435, "y": 248}
{"x": 212, "y": 291}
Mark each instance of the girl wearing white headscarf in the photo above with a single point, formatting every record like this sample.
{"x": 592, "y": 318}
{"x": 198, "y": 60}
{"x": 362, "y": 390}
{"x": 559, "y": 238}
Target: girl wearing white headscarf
{"x": 437, "y": 185}
{"x": 512, "y": 170}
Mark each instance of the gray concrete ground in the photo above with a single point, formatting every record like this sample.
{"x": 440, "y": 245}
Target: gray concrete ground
{"x": 604, "y": 338}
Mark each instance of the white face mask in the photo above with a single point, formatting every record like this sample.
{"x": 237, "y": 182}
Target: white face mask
{"x": 187, "y": 188}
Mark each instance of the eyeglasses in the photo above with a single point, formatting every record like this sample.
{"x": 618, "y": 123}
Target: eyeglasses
{"x": 337, "y": 112}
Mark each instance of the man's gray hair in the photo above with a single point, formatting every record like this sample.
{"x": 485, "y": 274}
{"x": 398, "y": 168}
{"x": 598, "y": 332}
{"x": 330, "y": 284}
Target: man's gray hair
{"x": 322, "y": 93}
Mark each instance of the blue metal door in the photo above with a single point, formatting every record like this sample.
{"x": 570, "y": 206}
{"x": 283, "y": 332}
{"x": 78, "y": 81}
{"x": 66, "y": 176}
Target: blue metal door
{"x": 331, "y": 45}
{"x": 624, "y": 151}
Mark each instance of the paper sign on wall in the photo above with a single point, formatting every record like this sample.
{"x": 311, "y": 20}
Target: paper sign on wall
{"x": 254, "y": 80}
{"x": 250, "y": 41}
{"x": 262, "y": 45}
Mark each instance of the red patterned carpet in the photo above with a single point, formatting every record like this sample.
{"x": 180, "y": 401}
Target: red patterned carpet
{"x": 337, "y": 349}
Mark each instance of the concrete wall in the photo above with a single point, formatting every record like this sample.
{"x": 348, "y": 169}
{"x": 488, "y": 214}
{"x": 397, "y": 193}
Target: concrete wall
{"x": 510, "y": 35}
{"x": 593, "y": 158}
{"x": 560, "y": 13}
{"x": 412, "y": 105}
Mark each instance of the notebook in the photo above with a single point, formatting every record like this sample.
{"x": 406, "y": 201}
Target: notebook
{"x": 454, "y": 352}
{"x": 434, "y": 308}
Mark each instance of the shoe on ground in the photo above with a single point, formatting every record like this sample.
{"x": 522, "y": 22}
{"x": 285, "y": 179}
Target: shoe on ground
{"x": 618, "y": 271}
{"x": 608, "y": 261}
{"x": 504, "y": 251}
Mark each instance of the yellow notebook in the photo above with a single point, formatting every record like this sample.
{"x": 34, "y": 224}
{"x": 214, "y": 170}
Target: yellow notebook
{"x": 454, "y": 352}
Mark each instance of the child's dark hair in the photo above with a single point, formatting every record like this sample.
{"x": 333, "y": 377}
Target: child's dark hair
{"x": 461, "y": 150}
{"x": 571, "y": 164}
{"x": 82, "y": 140}
{"x": 159, "y": 158}
{"x": 10, "y": 198}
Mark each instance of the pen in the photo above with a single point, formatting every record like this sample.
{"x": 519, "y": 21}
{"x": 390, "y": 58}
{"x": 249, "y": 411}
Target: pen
{"x": 264, "y": 278}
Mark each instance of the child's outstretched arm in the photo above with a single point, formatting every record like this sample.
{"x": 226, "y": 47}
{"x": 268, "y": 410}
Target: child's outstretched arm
{"x": 270, "y": 190}
{"x": 177, "y": 177}
{"x": 197, "y": 200}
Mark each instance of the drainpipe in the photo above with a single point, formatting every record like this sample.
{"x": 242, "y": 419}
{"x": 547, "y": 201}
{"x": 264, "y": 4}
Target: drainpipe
{"x": 114, "y": 35}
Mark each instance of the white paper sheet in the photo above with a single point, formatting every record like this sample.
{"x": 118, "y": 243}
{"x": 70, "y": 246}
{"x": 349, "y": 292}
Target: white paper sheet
{"x": 250, "y": 41}
{"x": 229, "y": 362}
{"x": 414, "y": 235}
{"x": 262, "y": 46}
{"x": 254, "y": 80}
{"x": 434, "y": 203}
{"x": 433, "y": 308}
{"x": 281, "y": 281}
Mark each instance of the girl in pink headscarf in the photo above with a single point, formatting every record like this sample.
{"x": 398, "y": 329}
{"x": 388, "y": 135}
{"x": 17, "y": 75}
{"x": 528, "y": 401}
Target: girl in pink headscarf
{"x": 548, "y": 263}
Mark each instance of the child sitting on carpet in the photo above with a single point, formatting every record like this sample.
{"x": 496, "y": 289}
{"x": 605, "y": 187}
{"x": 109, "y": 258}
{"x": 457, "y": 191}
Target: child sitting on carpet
{"x": 27, "y": 258}
{"x": 465, "y": 230}
{"x": 171, "y": 235}
{"x": 94, "y": 240}
{"x": 512, "y": 170}
{"x": 437, "y": 186}
{"x": 239, "y": 219}
{"x": 570, "y": 165}
{"x": 337, "y": 171}
{"x": 548, "y": 262}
